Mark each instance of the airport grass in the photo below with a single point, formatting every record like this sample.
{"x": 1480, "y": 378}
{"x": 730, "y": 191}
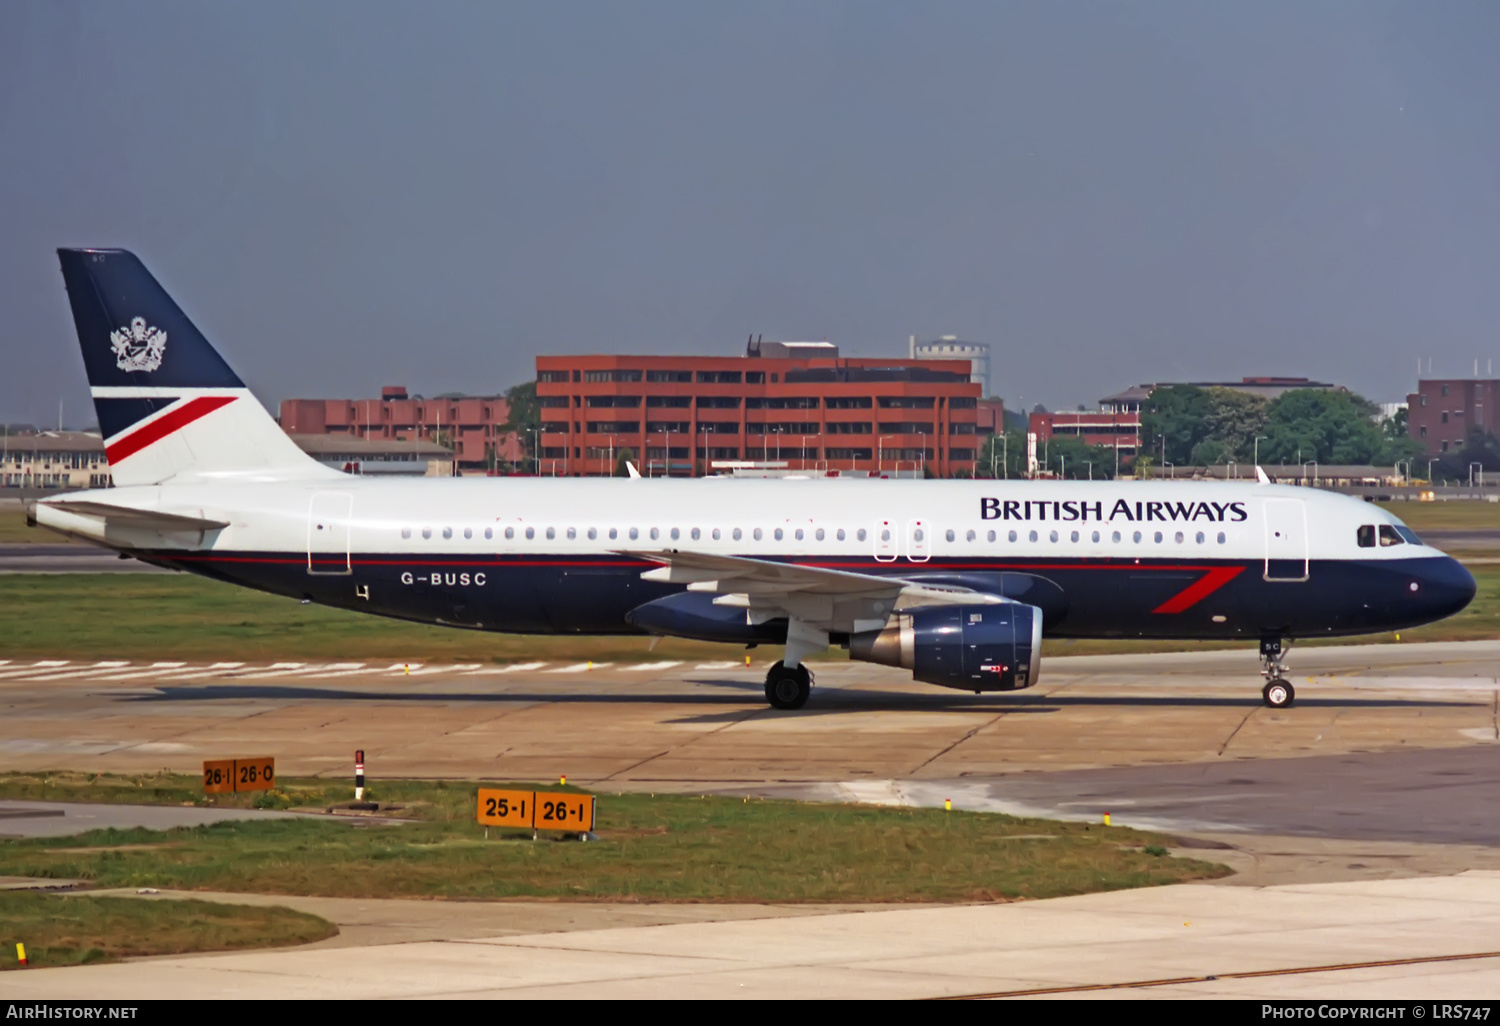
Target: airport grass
{"x": 670, "y": 848}
{"x": 82, "y": 929}
{"x": 180, "y": 617}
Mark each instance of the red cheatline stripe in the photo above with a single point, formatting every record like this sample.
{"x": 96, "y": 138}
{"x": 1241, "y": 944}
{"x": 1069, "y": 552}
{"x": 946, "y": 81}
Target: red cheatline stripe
{"x": 161, "y": 427}
{"x": 1199, "y": 589}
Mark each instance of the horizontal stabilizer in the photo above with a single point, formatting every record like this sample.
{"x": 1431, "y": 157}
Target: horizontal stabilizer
{"x": 125, "y": 516}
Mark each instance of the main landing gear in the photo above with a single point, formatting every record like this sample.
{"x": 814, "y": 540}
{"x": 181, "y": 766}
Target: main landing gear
{"x": 787, "y": 687}
{"x": 1278, "y": 692}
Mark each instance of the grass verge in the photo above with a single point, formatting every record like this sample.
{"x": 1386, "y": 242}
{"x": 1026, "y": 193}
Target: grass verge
{"x": 80, "y": 929}
{"x": 651, "y": 848}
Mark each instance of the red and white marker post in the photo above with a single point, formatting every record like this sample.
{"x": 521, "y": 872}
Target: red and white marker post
{"x": 359, "y": 775}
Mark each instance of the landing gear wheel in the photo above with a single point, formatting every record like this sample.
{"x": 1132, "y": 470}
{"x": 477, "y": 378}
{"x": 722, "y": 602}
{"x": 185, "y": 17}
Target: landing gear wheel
{"x": 1278, "y": 694}
{"x": 788, "y": 687}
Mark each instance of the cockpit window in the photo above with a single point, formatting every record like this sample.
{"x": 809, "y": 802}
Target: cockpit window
{"x": 1366, "y": 536}
{"x": 1408, "y": 534}
{"x": 1389, "y": 536}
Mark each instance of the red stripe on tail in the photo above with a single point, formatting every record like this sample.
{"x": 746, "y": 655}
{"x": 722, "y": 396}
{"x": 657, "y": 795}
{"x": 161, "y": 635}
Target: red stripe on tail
{"x": 174, "y": 419}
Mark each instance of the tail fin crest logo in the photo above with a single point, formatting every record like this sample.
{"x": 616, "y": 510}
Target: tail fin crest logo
{"x": 138, "y": 347}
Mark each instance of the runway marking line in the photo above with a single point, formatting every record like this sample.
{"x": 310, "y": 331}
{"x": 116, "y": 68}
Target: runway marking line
{"x": 580, "y": 667}
{"x": 1255, "y": 975}
{"x": 512, "y": 668}
{"x": 651, "y": 666}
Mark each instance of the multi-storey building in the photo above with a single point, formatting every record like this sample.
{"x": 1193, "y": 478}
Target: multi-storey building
{"x": 53, "y": 459}
{"x": 796, "y": 404}
{"x": 1120, "y": 431}
{"x": 1442, "y": 411}
{"x": 473, "y": 427}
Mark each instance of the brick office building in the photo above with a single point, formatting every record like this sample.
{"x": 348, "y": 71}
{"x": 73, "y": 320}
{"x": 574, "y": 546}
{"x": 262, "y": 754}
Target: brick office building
{"x": 795, "y": 403}
{"x": 1441, "y": 412}
{"x": 472, "y": 426}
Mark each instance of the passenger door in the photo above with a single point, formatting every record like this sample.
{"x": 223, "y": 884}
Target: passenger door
{"x": 885, "y": 541}
{"x": 328, "y": 520}
{"x": 1286, "y": 539}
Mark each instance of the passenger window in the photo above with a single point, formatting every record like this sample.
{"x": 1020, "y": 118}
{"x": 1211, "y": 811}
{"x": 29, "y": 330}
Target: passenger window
{"x": 406, "y": 532}
{"x": 1365, "y": 535}
{"x": 676, "y": 534}
{"x": 756, "y": 534}
{"x": 818, "y": 534}
{"x": 696, "y": 534}
{"x": 737, "y": 534}
{"x": 1052, "y": 536}
{"x": 990, "y": 536}
{"x": 530, "y": 533}
{"x": 1075, "y": 535}
{"x": 593, "y": 533}
{"x": 860, "y": 536}
{"x": 1200, "y": 538}
{"x": 1388, "y": 536}
{"x": 885, "y": 535}
{"x": 1012, "y": 536}
{"x": 971, "y": 536}
{"x": 510, "y": 532}
{"x": 778, "y": 534}
{"x": 447, "y": 533}
{"x": 1180, "y": 537}
{"x": 489, "y": 532}
{"x": 572, "y": 533}
{"x": 1096, "y": 536}
{"x": 839, "y": 534}
{"x": 918, "y": 534}
{"x": 1115, "y": 537}
{"x": 426, "y": 532}
{"x": 655, "y": 533}
{"x": 716, "y": 534}
{"x": 635, "y": 532}
{"x": 1137, "y": 537}
{"x": 948, "y": 535}
{"x": 468, "y": 532}
{"x": 1033, "y": 536}
{"x": 799, "y": 534}
{"x": 1221, "y": 537}
{"x": 551, "y": 533}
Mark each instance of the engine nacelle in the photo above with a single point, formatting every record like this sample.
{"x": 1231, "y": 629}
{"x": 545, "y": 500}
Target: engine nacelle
{"x": 977, "y": 648}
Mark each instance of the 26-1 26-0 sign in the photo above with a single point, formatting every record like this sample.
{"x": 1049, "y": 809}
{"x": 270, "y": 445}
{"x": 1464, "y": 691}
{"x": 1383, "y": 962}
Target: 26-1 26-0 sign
{"x": 226, "y": 776}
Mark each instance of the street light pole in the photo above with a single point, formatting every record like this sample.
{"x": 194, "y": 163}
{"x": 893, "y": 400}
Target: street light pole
{"x": 1257, "y": 448}
{"x": 1005, "y": 459}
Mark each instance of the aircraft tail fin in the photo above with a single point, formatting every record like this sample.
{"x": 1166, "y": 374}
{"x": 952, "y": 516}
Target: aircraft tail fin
{"x": 169, "y": 406}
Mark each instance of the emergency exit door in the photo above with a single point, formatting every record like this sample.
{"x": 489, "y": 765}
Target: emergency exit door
{"x": 328, "y": 520}
{"x": 1286, "y": 539}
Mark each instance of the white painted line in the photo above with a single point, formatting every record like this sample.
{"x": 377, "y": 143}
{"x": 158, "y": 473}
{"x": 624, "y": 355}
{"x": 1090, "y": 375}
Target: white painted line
{"x": 720, "y": 666}
{"x": 45, "y": 664}
{"x": 451, "y": 668}
{"x": 580, "y": 667}
{"x": 512, "y": 668}
{"x": 403, "y": 667}
{"x": 260, "y": 671}
{"x": 211, "y": 670}
{"x": 82, "y": 673}
{"x": 304, "y": 670}
{"x": 154, "y": 670}
{"x": 653, "y": 666}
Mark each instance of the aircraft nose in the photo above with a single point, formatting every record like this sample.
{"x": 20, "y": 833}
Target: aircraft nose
{"x": 1445, "y": 586}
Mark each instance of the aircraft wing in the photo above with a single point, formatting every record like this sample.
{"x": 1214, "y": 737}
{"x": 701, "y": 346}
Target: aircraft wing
{"x": 832, "y": 600}
{"x": 125, "y": 516}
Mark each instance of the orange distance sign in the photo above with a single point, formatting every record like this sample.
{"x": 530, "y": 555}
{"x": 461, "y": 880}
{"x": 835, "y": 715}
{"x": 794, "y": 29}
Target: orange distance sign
{"x": 226, "y": 776}
{"x": 506, "y": 808}
{"x": 564, "y": 811}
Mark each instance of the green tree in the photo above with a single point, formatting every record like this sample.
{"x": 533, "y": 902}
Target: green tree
{"x": 1004, "y": 453}
{"x": 1174, "y": 420}
{"x": 1231, "y": 423}
{"x": 1322, "y": 425}
{"x": 524, "y": 419}
{"x": 1075, "y": 459}
{"x": 622, "y": 457}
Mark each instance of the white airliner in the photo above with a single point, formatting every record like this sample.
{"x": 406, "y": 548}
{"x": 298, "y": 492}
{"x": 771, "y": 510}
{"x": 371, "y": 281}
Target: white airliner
{"x": 957, "y": 581}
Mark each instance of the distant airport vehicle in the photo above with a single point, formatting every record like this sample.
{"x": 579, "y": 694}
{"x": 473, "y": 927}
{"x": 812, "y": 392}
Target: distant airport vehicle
{"x": 957, "y": 581}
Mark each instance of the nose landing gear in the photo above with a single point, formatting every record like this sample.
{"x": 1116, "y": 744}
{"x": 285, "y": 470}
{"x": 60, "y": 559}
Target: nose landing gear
{"x": 1278, "y": 692}
{"x": 788, "y": 687}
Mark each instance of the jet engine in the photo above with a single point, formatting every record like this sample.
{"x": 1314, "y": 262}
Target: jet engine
{"x": 977, "y": 648}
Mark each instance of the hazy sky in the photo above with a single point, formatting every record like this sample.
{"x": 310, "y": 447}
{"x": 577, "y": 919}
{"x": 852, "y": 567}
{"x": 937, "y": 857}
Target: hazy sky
{"x": 346, "y": 195}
